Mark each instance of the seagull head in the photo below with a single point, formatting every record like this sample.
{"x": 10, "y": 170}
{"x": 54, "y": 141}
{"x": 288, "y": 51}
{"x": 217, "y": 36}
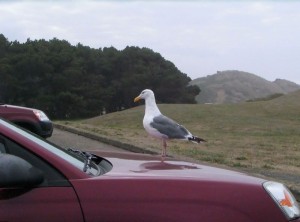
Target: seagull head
{"x": 145, "y": 94}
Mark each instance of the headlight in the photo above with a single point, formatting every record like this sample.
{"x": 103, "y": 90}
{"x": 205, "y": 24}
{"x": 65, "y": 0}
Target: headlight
{"x": 284, "y": 199}
{"x": 40, "y": 115}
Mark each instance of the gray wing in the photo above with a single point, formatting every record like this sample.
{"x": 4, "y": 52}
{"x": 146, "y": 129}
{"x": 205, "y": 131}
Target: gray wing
{"x": 169, "y": 127}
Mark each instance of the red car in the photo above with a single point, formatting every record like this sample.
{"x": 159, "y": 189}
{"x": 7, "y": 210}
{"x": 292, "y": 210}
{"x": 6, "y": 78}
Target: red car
{"x": 42, "y": 182}
{"x": 33, "y": 120}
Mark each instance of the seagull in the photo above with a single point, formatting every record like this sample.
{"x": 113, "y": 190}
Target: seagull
{"x": 160, "y": 126}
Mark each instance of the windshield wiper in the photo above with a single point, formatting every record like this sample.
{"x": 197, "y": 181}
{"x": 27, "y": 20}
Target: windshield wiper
{"x": 88, "y": 158}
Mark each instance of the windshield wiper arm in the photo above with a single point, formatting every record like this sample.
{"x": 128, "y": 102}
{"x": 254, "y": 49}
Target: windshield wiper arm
{"x": 88, "y": 158}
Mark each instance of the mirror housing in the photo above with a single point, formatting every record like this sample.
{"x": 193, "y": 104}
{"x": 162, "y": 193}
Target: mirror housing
{"x": 18, "y": 173}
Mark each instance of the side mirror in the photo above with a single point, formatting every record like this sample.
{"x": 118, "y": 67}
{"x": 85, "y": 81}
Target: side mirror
{"x": 16, "y": 172}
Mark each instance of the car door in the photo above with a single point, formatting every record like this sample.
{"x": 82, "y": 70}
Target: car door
{"x": 52, "y": 200}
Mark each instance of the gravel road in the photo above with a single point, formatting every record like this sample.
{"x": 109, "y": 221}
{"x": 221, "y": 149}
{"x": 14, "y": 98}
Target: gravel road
{"x": 70, "y": 140}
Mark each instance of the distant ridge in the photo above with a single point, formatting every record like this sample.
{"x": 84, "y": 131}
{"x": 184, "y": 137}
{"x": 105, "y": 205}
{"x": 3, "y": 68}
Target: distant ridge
{"x": 286, "y": 85}
{"x": 234, "y": 86}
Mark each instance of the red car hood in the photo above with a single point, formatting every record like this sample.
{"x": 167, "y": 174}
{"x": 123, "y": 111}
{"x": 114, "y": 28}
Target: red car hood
{"x": 142, "y": 188}
{"x": 141, "y": 165}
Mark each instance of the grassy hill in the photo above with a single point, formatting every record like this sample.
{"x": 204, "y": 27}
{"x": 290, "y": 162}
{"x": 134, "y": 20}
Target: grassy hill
{"x": 236, "y": 86}
{"x": 261, "y": 137}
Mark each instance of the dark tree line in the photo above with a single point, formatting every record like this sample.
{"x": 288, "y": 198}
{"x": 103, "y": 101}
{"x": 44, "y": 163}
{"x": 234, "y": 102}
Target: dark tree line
{"x": 78, "y": 81}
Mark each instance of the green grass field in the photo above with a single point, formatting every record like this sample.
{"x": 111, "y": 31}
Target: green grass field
{"x": 256, "y": 137}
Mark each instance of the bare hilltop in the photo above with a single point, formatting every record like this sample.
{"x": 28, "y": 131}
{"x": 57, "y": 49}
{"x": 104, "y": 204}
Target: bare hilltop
{"x": 234, "y": 86}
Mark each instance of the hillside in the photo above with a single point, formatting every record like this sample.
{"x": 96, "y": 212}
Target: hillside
{"x": 260, "y": 137}
{"x": 237, "y": 86}
{"x": 287, "y": 86}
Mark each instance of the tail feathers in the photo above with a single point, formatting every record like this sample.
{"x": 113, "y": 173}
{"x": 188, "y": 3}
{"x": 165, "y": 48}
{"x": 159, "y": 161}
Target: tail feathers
{"x": 196, "y": 139}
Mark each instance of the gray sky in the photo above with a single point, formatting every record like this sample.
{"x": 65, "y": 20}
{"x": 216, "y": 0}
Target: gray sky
{"x": 199, "y": 37}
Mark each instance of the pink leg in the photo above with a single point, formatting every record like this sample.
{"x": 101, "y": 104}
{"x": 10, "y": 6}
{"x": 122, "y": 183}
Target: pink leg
{"x": 164, "y": 150}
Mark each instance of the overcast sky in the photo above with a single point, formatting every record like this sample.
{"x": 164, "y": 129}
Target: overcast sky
{"x": 199, "y": 37}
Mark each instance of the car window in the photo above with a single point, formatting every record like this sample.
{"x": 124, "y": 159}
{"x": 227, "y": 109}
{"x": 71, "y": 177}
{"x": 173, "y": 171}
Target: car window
{"x": 52, "y": 176}
{"x": 76, "y": 160}
{"x": 60, "y": 152}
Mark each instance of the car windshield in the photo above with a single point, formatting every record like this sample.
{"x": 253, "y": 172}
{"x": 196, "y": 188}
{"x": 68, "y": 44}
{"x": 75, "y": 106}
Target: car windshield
{"x": 75, "y": 160}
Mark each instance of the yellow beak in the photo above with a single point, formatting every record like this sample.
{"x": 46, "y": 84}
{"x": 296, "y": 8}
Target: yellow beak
{"x": 137, "y": 99}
